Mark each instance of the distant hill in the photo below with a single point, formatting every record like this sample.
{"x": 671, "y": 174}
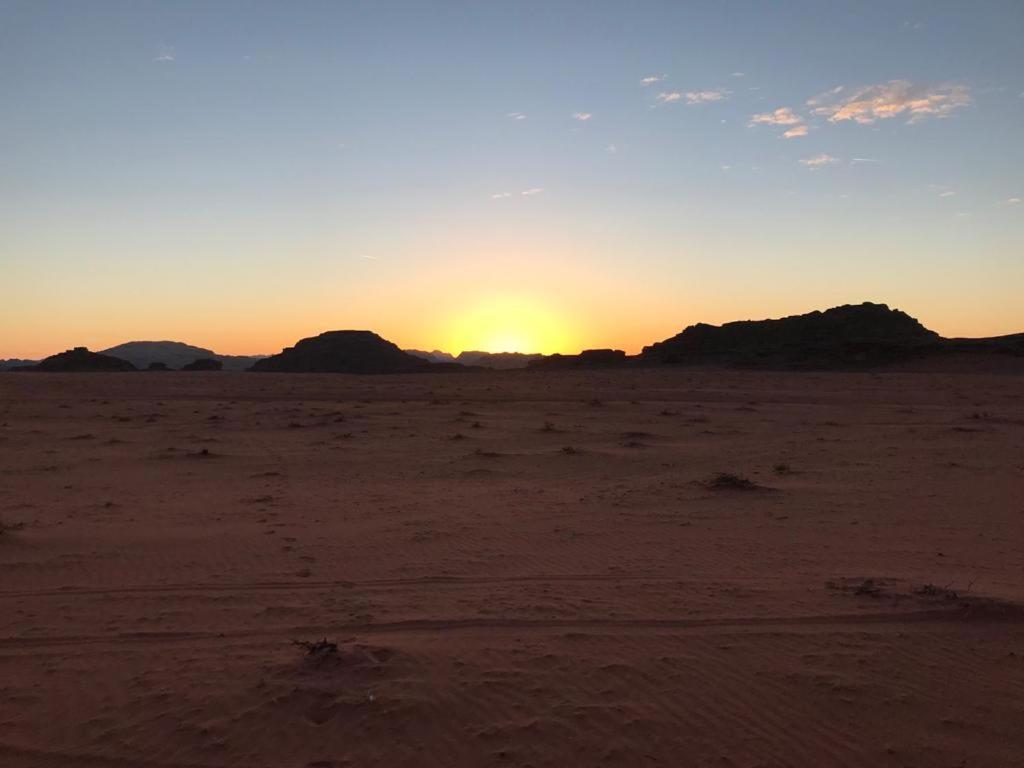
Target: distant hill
{"x": 346, "y": 352}
{"x": 175, "y": 354}
{"x": 78, "y": 360}
{"x": 437, "y": 356}
{"x": 588, "y": 358}
{"x": 849, "y": 336}
{"x": 6, "y": 365}
{"x": 498, "y": 360}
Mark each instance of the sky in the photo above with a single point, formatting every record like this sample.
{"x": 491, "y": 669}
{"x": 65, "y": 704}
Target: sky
{"x": 523, "y": 176}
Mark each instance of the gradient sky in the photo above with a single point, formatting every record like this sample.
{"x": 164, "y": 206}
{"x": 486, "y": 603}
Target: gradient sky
{"x": 540, "y": 176}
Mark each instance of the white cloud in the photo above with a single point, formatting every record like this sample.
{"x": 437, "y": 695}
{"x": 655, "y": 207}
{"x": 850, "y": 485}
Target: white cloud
{"x": 859, "y": 160}
{"x": 819, "y": 161}
{"x": 947, "y": 193}
{"x": 783, "y": 117}
{"x": 581, "y": 116}
{"x": 702, "y": 97}
{"x": 869, "y": 103}
{"x": 367, "y": 256}
{"x": 739, "y": 74}
{"x": 611, "y": 149}
{"x": 532, "y": 191}
{"x": 500, "y": 195}
{"x": 1012, "y": 201}
{"x": 780, "y": 116}
{"x": 668, "y": 97}
{"x": 652, "y": 79}
{"x": 165, "y": 53}
{"x": 516, "y": 115}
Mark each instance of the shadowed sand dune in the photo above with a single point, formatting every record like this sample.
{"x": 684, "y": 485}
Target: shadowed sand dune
{"x": 530, "y": 570}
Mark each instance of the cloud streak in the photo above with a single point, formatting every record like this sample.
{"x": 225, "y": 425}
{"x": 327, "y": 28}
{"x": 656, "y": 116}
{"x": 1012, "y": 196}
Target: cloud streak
{"x": 897, "y": 98}
{"x": 581, "y": 116}
{"x": 704, "y": 97}
{"x": 819, "y": 161}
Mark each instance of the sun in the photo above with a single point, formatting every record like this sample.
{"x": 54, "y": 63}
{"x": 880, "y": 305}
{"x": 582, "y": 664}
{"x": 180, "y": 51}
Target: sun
{"x": 509, "y": 324}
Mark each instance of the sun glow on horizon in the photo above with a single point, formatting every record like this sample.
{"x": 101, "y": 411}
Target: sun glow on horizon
{"x": 510, "y": 324}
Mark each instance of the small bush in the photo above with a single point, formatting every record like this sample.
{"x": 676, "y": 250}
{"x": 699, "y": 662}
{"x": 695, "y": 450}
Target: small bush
{"x": 7, "y": 528}
{"x": 727, "y": 481}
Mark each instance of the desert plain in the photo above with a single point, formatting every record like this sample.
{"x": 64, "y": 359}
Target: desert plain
{"x": 540, "y": 568}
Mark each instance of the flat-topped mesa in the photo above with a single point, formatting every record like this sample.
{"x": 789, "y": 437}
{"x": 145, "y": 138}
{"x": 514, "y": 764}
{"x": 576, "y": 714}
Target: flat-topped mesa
{"x": 81, "y": 359}
{"x": 344, "y": 352}
{"x": 853, "y": 335}
{"x": 175, "y": 354}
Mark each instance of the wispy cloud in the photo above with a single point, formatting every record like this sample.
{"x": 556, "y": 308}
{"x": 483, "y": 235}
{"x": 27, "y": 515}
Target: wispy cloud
{"x": 611, "y": 149}
{"x": 652, "y": 79}
{"x": 165, "y": 53}
{"x": 947, "y": 193}
{"x": 1012, "y": 201}
{"x": 795, "y": 132}
{"x": 501, "y": 195}
{"x": 780, "y": 116}
{"x": 860, "y": 160}
{"x": 516, "y": 115}
{"x": 667, "y": 97}
{"x": 581, "y": 116}
{"x": 819, "y": 161}
{"x": 702, "y": 97}
{"x": 739, "y": 74}
{"x": 367, "y": 256}
{"x": 867, "y": 104}
{"x": 532, "y": 191}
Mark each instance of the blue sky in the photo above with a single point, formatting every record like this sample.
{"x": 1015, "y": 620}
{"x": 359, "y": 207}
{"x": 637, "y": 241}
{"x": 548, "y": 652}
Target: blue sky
{"x": 240, "y": 174}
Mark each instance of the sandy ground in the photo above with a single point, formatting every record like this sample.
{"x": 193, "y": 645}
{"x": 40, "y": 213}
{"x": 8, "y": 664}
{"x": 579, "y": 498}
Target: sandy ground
{"x": 522, "y": 569}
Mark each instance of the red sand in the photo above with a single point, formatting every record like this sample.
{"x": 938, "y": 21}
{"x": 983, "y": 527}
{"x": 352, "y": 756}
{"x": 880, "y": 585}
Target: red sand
{"x": 497, "y": 599}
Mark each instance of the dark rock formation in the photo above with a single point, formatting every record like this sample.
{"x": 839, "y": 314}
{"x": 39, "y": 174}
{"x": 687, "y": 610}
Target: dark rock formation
{"x": 203, "y": 364}
{"x": 157, "y": 366}
{"x": 850, "y": 336}
{"x": 346, "y": 352}
{"x": 80, "y": 359}
{"x": 175, "y": 354}
{"x": 588, "y": 358}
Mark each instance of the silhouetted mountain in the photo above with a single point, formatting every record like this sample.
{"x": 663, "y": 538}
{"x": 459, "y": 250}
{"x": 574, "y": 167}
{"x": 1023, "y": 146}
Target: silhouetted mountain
{"x": 157, "y": 366}
{"x": 7, "y": 365}
{"x": 498, "y": 360}
{"x": 203, "y": 364}
{"x": 175, "y": 354}
{"x": 80, "y": 359}
{"x": 588, "y": 358}
{"x": 437, "y": 356}
{"x": 849, "y": 336}
{"x": 346, "y": 352}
